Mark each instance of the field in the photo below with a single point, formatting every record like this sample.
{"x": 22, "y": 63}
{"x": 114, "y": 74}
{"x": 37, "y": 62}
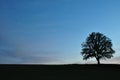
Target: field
{"x": 73, "y": 71}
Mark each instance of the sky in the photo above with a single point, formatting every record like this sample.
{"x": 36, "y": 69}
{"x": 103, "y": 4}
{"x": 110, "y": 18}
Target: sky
{"x": 52, "y": 31}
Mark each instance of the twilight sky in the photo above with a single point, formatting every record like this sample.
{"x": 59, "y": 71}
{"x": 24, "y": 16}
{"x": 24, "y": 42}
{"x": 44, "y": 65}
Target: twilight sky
{"x": 52, "y": 31}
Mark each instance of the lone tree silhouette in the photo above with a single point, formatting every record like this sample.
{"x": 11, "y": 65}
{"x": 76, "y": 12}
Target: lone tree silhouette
{"x": 97, "y": 45}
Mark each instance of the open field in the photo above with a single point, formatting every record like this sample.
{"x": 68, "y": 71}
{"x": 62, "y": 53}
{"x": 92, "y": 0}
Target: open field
{"x": 88, "y": 71}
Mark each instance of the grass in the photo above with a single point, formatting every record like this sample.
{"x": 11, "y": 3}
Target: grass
{"x": 81, "y": 71}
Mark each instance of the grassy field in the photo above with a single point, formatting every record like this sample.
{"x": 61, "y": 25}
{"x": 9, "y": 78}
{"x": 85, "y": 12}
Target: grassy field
{"x": 87, "y": 71}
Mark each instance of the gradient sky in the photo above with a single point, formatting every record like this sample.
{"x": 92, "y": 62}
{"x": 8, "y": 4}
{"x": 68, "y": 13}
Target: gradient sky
{"x": 52, "y": 31}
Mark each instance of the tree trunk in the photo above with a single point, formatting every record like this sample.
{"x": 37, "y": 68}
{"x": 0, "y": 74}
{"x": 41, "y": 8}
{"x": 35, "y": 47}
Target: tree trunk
{"x": 98, "y": 60}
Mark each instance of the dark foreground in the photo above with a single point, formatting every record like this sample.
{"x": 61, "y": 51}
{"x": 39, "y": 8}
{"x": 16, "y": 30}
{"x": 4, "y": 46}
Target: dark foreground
{"x": 80, "y": 72}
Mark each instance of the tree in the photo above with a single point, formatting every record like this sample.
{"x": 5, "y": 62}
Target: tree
{"x": 97, "y": 45}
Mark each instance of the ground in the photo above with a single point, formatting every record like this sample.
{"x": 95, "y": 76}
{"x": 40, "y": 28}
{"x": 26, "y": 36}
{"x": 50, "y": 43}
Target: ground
{"x": 70, "y": 71}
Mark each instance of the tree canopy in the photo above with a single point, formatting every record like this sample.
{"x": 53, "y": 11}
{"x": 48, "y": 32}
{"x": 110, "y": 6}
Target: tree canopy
{"x": 97, "y": 45}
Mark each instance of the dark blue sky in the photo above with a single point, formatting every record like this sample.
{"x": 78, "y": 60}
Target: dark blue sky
{"x": 52, "y": 31}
